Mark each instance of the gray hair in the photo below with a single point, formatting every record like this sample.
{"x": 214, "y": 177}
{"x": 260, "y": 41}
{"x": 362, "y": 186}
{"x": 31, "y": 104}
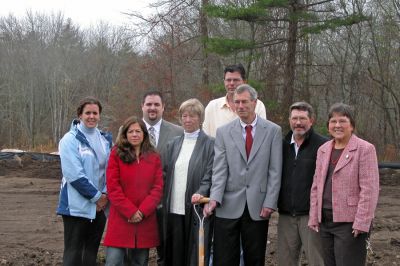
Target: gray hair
{"x": 302, "y": 106}
{"x": 246, "y": 87}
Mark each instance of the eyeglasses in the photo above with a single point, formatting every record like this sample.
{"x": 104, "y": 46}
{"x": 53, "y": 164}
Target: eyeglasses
{"x": 302, "y": 119}
{"x": 340, "y": 121}
{"x": 232, "y": 80}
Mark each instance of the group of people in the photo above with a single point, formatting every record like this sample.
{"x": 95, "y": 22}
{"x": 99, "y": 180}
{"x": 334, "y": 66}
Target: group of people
{"x": 325, "y": 191}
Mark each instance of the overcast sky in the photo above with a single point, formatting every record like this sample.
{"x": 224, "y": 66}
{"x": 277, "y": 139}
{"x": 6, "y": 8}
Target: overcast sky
{"x": 82, "y": 12}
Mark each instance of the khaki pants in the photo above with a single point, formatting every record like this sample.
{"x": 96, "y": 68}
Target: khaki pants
{"x": 294, "y": 234}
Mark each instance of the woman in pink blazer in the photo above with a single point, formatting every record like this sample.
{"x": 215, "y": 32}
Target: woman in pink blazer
{"x": 345, "y": 191}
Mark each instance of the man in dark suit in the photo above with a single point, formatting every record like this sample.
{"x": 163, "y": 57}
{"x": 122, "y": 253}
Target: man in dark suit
{"x": 245, "y": 183}
{"x": 160, "y": 131}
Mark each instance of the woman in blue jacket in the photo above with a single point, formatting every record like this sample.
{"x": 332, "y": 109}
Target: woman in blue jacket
{"x": 84, "y": 152}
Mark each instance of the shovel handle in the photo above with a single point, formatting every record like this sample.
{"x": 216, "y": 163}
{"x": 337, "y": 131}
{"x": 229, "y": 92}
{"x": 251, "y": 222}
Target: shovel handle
{"x": 204, "y": 200}
{"x": 201, "y": 247}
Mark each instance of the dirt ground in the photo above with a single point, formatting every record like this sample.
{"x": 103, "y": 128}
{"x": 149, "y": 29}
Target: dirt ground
{"x": 32, "y": 234}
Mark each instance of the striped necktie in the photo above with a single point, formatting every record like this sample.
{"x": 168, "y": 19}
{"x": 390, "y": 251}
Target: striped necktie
{"x": 152, "y": 135}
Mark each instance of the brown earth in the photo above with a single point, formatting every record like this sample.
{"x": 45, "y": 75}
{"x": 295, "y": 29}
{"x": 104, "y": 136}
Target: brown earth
{"x": 32, "y": 234}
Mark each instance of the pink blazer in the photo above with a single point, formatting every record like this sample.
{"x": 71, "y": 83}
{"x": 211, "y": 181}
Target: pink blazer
{"x": 355, "y": 184}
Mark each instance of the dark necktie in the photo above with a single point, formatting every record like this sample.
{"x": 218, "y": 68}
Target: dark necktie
{"x": 249, "y": 140}
{"x": 152, "y": 136}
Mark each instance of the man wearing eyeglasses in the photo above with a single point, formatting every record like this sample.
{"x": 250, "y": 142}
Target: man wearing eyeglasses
{"x": 299, "y": 156}
{"x": 222, "y": 110}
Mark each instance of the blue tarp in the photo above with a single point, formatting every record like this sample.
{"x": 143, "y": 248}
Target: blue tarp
{"x": 389, "y": 165}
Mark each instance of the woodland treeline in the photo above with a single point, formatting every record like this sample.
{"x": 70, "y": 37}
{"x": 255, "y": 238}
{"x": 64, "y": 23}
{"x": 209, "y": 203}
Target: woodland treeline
{"x": 320, "y": 51}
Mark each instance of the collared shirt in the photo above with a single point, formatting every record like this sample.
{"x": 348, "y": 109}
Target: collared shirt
{"x": 253, "y": 130}
{"x": 296, "y": 148}
{"x": 156, "y": 127}
{"x": 218, "y": 113}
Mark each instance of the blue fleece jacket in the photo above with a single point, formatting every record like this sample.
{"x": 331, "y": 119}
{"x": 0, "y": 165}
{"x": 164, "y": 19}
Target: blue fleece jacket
{"x": 81, "y": 184}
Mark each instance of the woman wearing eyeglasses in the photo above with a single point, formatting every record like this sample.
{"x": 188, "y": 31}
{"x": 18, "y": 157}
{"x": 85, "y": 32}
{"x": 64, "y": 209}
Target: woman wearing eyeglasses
{"x": 345, "y": 191}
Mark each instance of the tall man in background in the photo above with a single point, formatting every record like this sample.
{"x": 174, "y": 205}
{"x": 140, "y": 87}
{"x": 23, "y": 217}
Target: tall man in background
{"x": 222, "y": 110}
{"x": 160, "y": 132}
{"x": 299, "y": 155}
{"x": 245, "y": 183}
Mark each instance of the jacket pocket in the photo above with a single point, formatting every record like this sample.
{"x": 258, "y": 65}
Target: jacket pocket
{"x": 352, "y": 200}
{"x": 263, "y": 188}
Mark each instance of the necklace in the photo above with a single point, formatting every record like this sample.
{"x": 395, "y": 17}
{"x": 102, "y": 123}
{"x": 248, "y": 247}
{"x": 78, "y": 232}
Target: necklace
{"x": 338, "y": 154}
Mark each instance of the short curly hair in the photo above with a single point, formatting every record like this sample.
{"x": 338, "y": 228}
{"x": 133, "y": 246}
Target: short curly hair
{"x": 344, "y": 110}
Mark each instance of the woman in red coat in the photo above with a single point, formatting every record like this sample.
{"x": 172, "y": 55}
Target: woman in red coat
{"x": 134, "y": 185}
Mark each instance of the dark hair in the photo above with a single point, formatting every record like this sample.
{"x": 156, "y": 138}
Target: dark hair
{"x": 125, "y": 149}
{"x": 152, "y": 92}
{"x": 344, "y": 110}
{"x": 85, "y": 101}
{"x": 236, "y": 68}
{"x": 302, "y": 106}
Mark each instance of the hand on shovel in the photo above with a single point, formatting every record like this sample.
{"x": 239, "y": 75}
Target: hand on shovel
{"x": 196, "y": 198}
{"x": 209, "y": 208}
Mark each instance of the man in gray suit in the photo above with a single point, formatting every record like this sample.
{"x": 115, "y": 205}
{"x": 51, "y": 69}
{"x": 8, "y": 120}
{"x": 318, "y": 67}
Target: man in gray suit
{"x": 245, "y": 183}
{"x": 160, "y": 131}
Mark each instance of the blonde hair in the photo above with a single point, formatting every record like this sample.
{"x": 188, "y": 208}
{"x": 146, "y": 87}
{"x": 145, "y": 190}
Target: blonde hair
{"x": 192, "y": 106}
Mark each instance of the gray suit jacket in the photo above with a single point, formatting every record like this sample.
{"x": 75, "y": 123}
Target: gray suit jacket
{"x": 236, "y": 180}
{"x": 167, "y": 132}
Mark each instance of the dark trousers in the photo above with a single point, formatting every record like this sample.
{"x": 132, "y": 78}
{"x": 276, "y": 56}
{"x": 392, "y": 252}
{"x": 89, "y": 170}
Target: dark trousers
{"x": 339, "y": 246}
{"x": 82, "y": 239}
{"x": 160, "y": 248}
{"x": 175, "y": 249}
{"x": 227, "y": 235}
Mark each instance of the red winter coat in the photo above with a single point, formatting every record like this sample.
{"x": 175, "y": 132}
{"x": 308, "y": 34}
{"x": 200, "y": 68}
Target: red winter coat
{"x": 132, "y": 187}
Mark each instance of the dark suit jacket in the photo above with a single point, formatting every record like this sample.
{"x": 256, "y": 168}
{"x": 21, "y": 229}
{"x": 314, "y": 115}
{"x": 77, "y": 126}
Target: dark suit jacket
{"x": 168, "y": 131}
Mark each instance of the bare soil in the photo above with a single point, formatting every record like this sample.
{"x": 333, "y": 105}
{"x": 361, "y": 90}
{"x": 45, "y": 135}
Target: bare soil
{"x": 32, "y": 234}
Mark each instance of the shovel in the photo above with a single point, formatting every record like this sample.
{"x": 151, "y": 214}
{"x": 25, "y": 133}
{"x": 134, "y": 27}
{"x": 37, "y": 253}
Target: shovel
{"x": 201, "y": 230}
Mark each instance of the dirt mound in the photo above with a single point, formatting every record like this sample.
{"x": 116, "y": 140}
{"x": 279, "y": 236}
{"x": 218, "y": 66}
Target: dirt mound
{"x": 389, "y": 177}
{"x": 31, "y": 165}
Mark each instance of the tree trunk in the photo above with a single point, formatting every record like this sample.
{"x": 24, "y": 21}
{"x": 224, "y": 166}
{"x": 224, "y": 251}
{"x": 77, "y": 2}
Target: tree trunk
{"x": 290, "y": 67}
{"x": 204, "y": 37}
